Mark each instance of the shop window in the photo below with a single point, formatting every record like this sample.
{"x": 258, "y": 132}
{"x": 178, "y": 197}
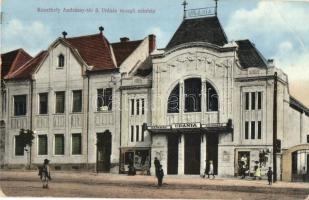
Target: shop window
{"x": 193, "y": 95}
{"x": 105, "y": 99}
{"x": 77, "y": 101}
{"x": 19, "y": 146}
{"x": 60, "y": 102}
{"x": 20, "y": 105}
{"x": 173, "y": 101}
{"x": 59, "y": 144}
{"x": 43, "y": 105}
{"x": 42, "y": 142}
{"x": 212, "y": 98}
{"x": 61, "y": 61}
{"x": 76, "y": 144}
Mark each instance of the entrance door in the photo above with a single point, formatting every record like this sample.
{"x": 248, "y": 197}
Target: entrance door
{"x": 212, "y": 151}
{"x": 172, "y": 157}
{"x": 104, "y": 145}
{"x": 192, "y": 153}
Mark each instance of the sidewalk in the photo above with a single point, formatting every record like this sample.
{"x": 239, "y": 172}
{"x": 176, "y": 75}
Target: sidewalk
{"x": 175, "y": 182}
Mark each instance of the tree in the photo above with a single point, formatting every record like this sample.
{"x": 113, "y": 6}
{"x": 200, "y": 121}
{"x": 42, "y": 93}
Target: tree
{"x": 27, "y": 137}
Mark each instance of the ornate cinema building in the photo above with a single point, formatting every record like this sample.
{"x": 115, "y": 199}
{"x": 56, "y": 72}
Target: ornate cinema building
{"x": 93, "y": 104}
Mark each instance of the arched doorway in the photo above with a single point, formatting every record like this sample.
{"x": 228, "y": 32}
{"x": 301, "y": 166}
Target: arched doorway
{"x": 104, "y": 149}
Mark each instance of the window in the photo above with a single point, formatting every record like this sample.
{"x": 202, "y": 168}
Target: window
{"x": 42, "y": 142}
{"x": 247, "y": 100}
{"x": 246, "y": 130}
{"x": 259, "y": 100}
{"x": 252, "y": 100}
{"x": 61, "y": 60}
{"x": 132, "y": 133}
{"x": 105, "y": 99}
{"x": 252, "y": 130}
{"x": 137, "y": 106}
{"x": 143, "y": 106}
{"x": 137, "y": 133}
{"x": 143, "y": 134}
{"x": 212, "y": 98}
{"x": 193, "y": 95}
{"x": 19, "y": 146}
{"x": 77, "y": 101}
{"x": 259, "y": 129}
{"x": 307, "y": 138}
{"x": 59, "y": 144}
{"x": 173, "y": 101}
{"x": 60, "y": 102}
{"x": 132, "y": 106}
{"x": 76, "y": 144}
{"x": 43, "y": 105}
{"x": 20, "y": 105}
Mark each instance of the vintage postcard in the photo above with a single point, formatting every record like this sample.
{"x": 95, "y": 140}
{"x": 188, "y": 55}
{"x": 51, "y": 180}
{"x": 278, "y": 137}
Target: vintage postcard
{"x": 180, "y": 99}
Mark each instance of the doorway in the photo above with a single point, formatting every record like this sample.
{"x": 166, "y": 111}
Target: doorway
{"x": 192, "y": 153}
{"x": 172, "y": 154}
{"x": 212, "y": 151}
{"x": 104, "y": 147}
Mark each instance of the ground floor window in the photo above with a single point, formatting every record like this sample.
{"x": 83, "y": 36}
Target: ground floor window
{"x": 76, "y": 144}
{"x": 42, "y": 142}
{"x": 59, "y": 144}
{"x": 140, "y": 157}
{"x": 19, "y": 147}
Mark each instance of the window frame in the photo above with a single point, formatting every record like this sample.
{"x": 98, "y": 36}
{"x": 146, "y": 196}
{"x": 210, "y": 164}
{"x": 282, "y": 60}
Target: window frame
{"x": 80, "y": 108}
{"x": 38, "y": 144}
{"x": 103, "y": 100}
{"x": 25, "y": 105}
{"x": 81, "y": 144}
{"x": 15, "y": 142}
{"x": 246, "y": 130}
{"x": 64, "y": 107}
{"x": 61, "y": 61}
{"x": 54, "y": 146}
{"x": 39, "y": 103}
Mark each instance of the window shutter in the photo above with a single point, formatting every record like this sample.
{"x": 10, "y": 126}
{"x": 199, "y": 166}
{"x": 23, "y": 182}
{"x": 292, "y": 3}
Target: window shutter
{"x": 42, "y": 144}
{"x": 76, "y": 144}
{"x": 59, "y": 145}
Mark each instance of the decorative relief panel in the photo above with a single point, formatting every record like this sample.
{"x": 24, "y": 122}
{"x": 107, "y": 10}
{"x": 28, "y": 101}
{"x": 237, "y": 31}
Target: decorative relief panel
{"x": 19, "y": 122}
{"x": 103, "y": 119}
{"x": 42, "y": 121}
{"x": 76, "y": 120}
{"x": 59, "y": 121}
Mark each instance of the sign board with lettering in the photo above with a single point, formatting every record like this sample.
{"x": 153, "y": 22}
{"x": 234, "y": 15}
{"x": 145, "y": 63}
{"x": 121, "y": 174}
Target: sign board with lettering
{"x": 200, "y": 12}
{"x": 186, "y": 125}
{"x": 159, "y": 127}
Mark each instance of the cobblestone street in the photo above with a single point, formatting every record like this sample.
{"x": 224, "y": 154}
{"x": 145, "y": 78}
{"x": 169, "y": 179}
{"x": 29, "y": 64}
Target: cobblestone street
{"x": 122, "y": 186}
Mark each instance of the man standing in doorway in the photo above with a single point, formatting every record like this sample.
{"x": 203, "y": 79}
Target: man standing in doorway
{"x": 157, "y": 165}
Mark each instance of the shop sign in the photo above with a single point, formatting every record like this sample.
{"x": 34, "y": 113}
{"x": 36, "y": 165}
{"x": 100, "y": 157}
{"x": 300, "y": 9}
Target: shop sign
{"x": 186, "y": 125}
{"x": 214, "y": 125}
{"x": 159, "y": 127}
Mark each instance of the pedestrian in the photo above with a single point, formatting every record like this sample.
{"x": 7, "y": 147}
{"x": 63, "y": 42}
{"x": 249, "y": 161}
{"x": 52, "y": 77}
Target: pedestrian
{"x": 44, "y": 173}
{"x": 131, "y": 169}
{"x": 270, "y": 176}
{"x": 160, "y": 174}
{"x": 257, "y": 174}
{"x": 205, "y": 171}
{"x": 243, "y": 171}
{"x": 304, "y": 173}
{"x": 211, "y": 170}
{"x": 156, "y": 164}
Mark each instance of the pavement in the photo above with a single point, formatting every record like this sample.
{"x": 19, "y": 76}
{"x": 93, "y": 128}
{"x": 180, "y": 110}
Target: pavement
{"x": 179, "y": 183}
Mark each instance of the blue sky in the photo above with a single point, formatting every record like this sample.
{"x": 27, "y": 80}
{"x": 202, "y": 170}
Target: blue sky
{"x": 279, "y": 29}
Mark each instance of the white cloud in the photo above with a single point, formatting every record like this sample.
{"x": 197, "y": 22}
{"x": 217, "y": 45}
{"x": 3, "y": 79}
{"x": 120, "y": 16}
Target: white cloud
{"x": 161, "y": 36}
{"x": 33, "y": 36}
{"x": 278, "y": 28}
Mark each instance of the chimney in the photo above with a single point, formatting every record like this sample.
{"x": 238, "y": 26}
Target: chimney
{"x": 101, "y": 29}
{"x": 152, "y": 42}
{"x": 124, "y": 39}
{"x": 270, "y": 62}
{"x": 64, "y": 34}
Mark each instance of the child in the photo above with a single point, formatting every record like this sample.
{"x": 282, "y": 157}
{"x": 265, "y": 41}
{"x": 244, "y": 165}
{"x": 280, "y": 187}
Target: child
{"x": 270, "y": 176}
{"x": 45, "y": 173}
{"x": 160, "y": 174}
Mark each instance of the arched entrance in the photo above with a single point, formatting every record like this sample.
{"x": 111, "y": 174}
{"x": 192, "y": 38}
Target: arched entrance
{"x": 104, "y": 147}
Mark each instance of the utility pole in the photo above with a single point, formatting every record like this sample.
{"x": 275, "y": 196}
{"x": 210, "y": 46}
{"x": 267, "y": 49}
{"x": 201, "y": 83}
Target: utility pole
{"x": 275, "y": 128}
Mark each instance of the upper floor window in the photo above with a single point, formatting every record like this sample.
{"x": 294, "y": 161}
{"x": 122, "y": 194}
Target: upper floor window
{"x": 173, "y": 101}
{"x": 105, "y": 99}
{"x": 253, "y": 100}
{"x": 60, "y": 102}
{"x": 212, "y": 98}
{"x": 61, "y": 60}
{"x": 193, "y": 95}
{"x": 20, "y": 105}
{"x": 77, "y": 101}
{"x": 43, "y": 105}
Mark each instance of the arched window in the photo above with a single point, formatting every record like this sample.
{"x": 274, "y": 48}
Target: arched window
{"x": 61, "y": 60}
{"x": 173, "y": 101}
{"x": 212, "y": 98}
{"x": 193, "y": 95}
